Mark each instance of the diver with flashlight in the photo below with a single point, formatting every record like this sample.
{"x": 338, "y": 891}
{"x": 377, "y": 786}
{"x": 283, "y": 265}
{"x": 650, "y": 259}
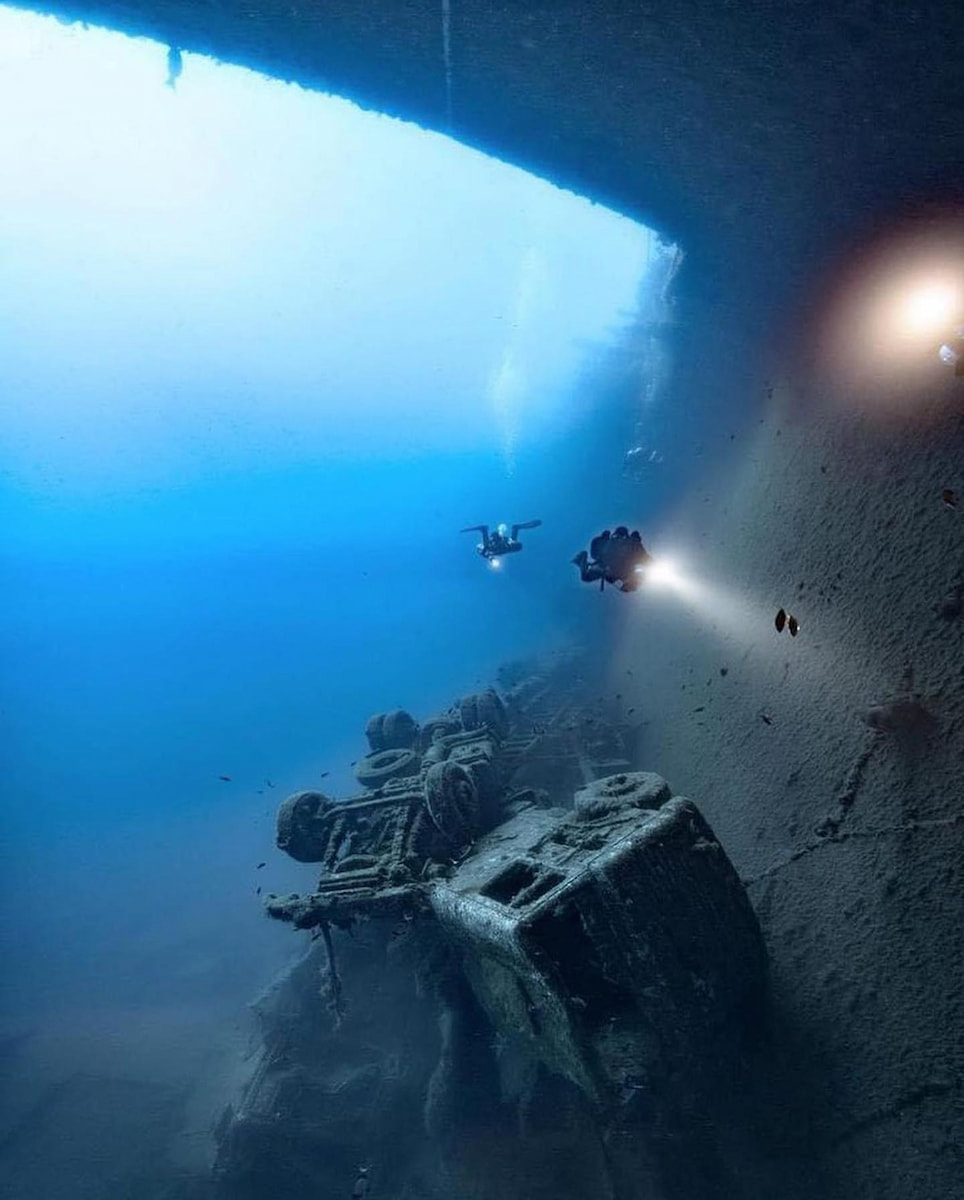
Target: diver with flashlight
{"x": 617, "y": 558}
{"x": 499, "y": 541}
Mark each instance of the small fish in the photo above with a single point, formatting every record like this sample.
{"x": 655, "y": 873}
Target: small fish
{"x": 260, "y": 865}
{"x": 324, "y": 774}
{"x": 724, "y": 671}
{"x": 259, "y": 792}
{"x": 269, "y": 783}
{"x": 765, "y": 719}
{"x": 793, "y": 625}
{"x": 702, "y": 708}
{"x": 949, "y": 496}
{"x": 780, "y": 620}
{"x": 630, "y": 711}
{"x": 353, "y": 763}
{"x": 257, "y": 891}
{"x": 225, "y": 778}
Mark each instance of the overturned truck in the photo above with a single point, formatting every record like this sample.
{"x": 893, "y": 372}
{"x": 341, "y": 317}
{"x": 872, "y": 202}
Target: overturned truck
{"x": 587, "y": 942}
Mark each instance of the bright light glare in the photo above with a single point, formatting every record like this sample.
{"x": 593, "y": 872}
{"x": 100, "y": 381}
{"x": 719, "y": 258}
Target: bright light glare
{"x": 930, "y": 308}
{"x": 495, "y": 563}
{"x": 663, "y": 574}
{"x": 726, "y": 611}
{"x": 894, "y": 305}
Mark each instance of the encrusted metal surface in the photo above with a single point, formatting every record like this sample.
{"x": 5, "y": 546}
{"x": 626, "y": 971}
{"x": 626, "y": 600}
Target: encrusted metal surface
{"x": 608, "y": 931}
{"x": 616, "y": 940}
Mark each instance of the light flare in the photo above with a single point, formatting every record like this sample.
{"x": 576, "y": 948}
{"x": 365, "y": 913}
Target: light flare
{"x": 929, "y": 308}
{"x": 663, "y": 573}
{"x": 671, "y": 580}
{"x": 892, "y": 309}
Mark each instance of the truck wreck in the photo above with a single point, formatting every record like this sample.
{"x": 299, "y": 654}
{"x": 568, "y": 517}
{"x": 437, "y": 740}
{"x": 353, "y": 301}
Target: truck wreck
{"x": 583, "y": 947}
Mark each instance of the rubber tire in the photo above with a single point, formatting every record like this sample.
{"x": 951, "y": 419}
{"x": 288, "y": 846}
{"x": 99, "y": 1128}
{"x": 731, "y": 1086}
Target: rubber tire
{"x": 628, "y": 789}
{"x": 483, "y": 709}
{"x": 485, "y": 776}
{"x": 453, "y": 802}
{"x": 379, "y": 768}
{"x": 395, "y": 730}
{"x": 443, "y": 726}
{"x": 296, "y": 826}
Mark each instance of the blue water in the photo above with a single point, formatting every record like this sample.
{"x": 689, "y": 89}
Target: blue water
{"x": 263, "y": 356}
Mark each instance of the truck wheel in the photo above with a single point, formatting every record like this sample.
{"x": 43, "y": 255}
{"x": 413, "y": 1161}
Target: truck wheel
{"x": 628, "y": 789}
{"x": 483, "y": 708}
{"x": 438, "y": 727}
{"x": 299, "y": 829}
{"x": 395, "y": 730}
{"x": 452, "y": 800}
{"x": 379, "y": 768}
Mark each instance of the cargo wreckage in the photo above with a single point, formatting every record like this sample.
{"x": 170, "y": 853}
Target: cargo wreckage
{"x": 566, "y": 918}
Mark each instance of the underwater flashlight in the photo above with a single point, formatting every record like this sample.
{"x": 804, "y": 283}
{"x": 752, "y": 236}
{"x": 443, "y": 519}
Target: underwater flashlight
{"x": 661, "y": 573}
{"x": 495, "y": 563}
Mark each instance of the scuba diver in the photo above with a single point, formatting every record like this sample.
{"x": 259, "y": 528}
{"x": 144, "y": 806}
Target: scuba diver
{"x": 638, "y": 460}
{"x": 499, "y": 541}
{"x": 615, "y": 558}
{"x": 360, "y": 1190}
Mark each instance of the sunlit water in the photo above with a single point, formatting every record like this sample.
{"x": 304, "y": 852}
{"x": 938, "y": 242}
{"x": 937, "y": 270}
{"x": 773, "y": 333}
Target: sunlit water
{"x": 262, "y": 355}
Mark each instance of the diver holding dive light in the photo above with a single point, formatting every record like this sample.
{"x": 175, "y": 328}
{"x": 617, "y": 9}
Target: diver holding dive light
{"x": 616, "y": 558}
